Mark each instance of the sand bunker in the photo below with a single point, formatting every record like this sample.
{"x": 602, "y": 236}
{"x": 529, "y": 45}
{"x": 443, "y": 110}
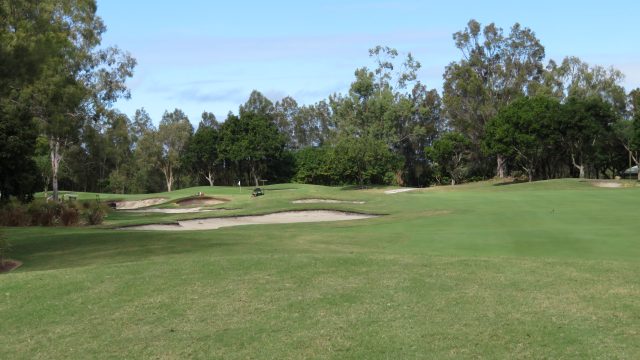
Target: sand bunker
{"x": 607, "y": 184}
{"x": 325, "y": 201}
{"x": 201, "y": 201}
{"x": 275, "y": 218}
{"x": 396, "y": 191}
{"x": 137, "y": 204}
{"x": 175, "y": 211}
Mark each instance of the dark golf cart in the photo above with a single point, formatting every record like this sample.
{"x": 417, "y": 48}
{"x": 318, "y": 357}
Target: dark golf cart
{"x": 257, "y": 192}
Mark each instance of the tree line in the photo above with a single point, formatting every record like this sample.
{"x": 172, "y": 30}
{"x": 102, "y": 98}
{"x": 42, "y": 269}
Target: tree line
{"x": 502, "y": 112}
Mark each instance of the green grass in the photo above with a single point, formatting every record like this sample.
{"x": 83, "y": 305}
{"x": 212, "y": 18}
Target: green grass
{"x": 542, "y": 270}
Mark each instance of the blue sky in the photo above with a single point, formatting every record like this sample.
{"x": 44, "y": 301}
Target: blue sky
{"x": 209, "y": 55}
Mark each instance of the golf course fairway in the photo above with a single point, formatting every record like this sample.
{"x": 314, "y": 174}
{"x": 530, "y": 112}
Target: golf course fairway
{"x": 549, "y": 269}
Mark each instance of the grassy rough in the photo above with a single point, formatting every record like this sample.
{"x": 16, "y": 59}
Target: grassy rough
{"x": 544, "y": 270}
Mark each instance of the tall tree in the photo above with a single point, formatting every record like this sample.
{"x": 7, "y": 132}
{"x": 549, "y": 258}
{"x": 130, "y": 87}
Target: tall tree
{"x": 285, "y": 115}
{"x": 450, "y": 154}
{"x": 628, "y": 129}
{"x": 209, "y": 120}
{"x": 252, "y": 139}
{"x": 524, "y": 131}
{"x": 495, "y": 70}
{"x": 584, "y": 124}
{"x": 201, "y": 155}
{"x": 257, "y": 103}
{"x": 174, "y": 134}
{"x": 576, "y": 78}
{"x": 74, "y": 79}
{"x": 140, "y": 124}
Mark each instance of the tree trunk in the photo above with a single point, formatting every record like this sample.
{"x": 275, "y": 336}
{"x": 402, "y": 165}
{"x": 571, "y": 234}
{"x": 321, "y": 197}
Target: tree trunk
{"x": 453, "y": 181}
{"x": 210, "y": 176}
{"x": 46, "y": 187}
{"x": 501, "y": 165}
{"x": 580, "y": 166}
{"x": 168, "y": 176}
{"x": 253, "y": 174}
{"x": 56, "y": 157}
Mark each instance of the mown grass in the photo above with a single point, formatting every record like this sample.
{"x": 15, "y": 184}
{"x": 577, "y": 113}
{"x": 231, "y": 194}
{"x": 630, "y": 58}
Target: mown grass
{"x": 543, "y": 270}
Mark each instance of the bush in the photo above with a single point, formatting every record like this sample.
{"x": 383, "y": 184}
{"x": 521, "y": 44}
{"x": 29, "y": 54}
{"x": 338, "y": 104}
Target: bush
{"x": 14, "y": 214}
{"x": 69, "y": 215}
{"x": 46, "y": 214}
{"x": 95, "y": 214}
{"x": 4, "y": 248}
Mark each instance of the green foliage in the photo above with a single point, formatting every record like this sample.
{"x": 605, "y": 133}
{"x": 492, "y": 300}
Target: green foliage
{"x": 95, "y": 214}
{"x": 524, "y": 131}
{"x": 364, "y": 161}
{"x": 450, "y": 156}
{"x": 584, "y": 124}
{"x": 251, "y": 139}
{"x": 174, "y": 134}
{"x": 313, "y": 166}
{"x": 201, "y": 155}
{"x": 496, "y": 69}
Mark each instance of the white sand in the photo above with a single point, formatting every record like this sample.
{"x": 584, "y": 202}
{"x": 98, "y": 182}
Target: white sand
{"x": 275, "y": 218}
{"x": 136, "y": 204}
{"x": 607, "y": 184}
{"x": 175, "y": 211}
{"x": 201, "y": 201}
{"x": 396, "y": 191}
{"x": 325, "y": 201}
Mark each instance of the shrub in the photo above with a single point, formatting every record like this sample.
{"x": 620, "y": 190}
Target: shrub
{"x": 47, "y": 214}
{"x": 69, "y": 215}
{"x": 14, "y": 214}
{"x": 95, "y": 214}
{"x": 4, "y": 248}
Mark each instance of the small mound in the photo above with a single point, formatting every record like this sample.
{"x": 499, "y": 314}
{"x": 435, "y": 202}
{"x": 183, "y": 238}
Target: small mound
{"x": 325, "y": 201}
{"x": 201, "y": 201}
{"x": 137, "y": 204}
{"x": 286, "y": 217}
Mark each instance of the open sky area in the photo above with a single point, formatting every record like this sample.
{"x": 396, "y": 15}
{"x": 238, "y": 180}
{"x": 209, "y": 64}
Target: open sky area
{"x": 200, "y": 55}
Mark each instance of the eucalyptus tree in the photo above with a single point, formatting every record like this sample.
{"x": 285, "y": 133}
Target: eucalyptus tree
{"x": 140, "y": 124}
{"x": 285, "y": 114}
{"x": 388, "y": 104}
{"x": 174, "y": 133}
{"x": 495, "y": 69}
{"x": 576, "y": 78}
{"x": 257, "y": 103}
{"x": 70, "y": 78}
{"x": 201, "y": 155}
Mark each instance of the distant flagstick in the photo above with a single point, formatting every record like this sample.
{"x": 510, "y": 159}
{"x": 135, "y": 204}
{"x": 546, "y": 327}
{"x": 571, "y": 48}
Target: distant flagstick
{"x": 240, "y": 186}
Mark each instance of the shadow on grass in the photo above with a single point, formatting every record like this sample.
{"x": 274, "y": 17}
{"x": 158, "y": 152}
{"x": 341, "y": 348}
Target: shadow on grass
{"x": 363, "y": 187}
{"x": 50, "y": 249}
{"x": 512, "y": 182}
